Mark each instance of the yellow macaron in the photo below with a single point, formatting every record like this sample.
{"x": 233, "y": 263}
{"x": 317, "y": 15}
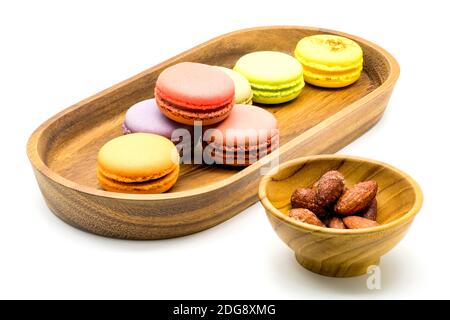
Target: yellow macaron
{"x": 329, "y": 61}
{"x": 138, "y": 163}
{"x": 242, "y": 91}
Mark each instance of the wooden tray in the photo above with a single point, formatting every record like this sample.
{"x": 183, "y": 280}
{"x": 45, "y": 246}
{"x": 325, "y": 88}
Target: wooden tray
{"x": 63, "y": 150}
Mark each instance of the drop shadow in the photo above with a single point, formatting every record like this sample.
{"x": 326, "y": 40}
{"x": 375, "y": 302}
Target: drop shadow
{"x": 295, "y": 277}
{"x": 190, "y": 242}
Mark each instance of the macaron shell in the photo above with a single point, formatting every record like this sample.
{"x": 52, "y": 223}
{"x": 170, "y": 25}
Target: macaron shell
{"x": 159, "y": 185}
{"x": 245, "y": 124}
{"x": 137, "y": 157}
{"x": 242, "y": 90}
{"x": 197, "y": 85}
{"x": 269, "y": 67}
{"x": 146, "y": 117}
{"x": 329, "y": 52}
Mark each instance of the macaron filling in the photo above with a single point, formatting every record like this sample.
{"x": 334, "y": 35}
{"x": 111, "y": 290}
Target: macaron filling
{"x": 242, "y": 157}
{"x": 337, "y": 77}
{"x": 159, "y": 95}
{"x": 267, "y": 91}
{"x": 245, "y": 144}
{"x": 193, "y": 114}
{"x": 158, "y": 185}
{"x": 250, "y": 152}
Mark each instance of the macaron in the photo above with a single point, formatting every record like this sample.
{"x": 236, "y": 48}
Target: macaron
{"x": 274, "y": 77}
{"x": 189, "y": 92}
{"x": 242, "y": 90}
{"x": 146, "y": 117}
{"x": 330, "y": 61}
{"x": 138, "y": 163}
{"x": 248, "y": 134}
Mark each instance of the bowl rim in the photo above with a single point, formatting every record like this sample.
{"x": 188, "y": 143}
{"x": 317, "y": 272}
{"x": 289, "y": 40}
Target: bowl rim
{"x": 270, "y": 208}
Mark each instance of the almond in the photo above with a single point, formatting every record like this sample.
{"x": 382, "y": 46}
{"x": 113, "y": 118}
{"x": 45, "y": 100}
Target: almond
{"x": 336, "y": 223}
{"x": 356, "y": 198}
{"x": 356, "y": 222}
{"x": 371, "y": 211}
{"x": 329, "y": 188}
{"x": 306, "y": 198}
{"x": 305, "y": 215}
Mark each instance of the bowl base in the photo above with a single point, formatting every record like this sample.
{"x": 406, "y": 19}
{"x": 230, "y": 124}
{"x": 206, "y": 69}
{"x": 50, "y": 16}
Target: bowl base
{"x": 334, "y": 269}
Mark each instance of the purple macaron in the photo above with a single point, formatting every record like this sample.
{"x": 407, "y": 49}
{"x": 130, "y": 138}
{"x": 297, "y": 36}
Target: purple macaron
{"x": 145, "y": 116}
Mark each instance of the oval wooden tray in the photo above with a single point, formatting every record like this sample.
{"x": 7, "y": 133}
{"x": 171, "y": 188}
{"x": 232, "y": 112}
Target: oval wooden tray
{"x": 63, "y": 150}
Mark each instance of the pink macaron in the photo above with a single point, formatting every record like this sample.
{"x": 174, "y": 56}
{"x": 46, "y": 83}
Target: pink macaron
{"x": 248, "y": 134}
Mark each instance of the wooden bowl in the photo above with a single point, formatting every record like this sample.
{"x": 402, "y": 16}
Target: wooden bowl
{"x": 333, "y": 252}
{"x": 63, "y": 150}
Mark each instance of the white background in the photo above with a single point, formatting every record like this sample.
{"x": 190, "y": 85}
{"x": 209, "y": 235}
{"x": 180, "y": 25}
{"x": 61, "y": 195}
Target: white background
{"x": 55, "y": 53}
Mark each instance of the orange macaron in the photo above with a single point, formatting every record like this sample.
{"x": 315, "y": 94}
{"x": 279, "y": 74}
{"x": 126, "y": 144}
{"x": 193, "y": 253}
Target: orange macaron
{"x": 138, "y": 163}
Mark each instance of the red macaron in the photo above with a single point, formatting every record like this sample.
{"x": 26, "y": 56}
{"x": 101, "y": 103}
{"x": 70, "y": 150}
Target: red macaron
{"x": 188, "y": 92}
{"x": 247, "y": 135}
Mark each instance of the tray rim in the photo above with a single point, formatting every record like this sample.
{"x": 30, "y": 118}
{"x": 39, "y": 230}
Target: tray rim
{"x": 39, "y": 165}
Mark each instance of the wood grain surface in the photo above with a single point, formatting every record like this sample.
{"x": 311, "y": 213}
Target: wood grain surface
{"x": 336, "y": 252}
{"x": 63, "y": 150}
